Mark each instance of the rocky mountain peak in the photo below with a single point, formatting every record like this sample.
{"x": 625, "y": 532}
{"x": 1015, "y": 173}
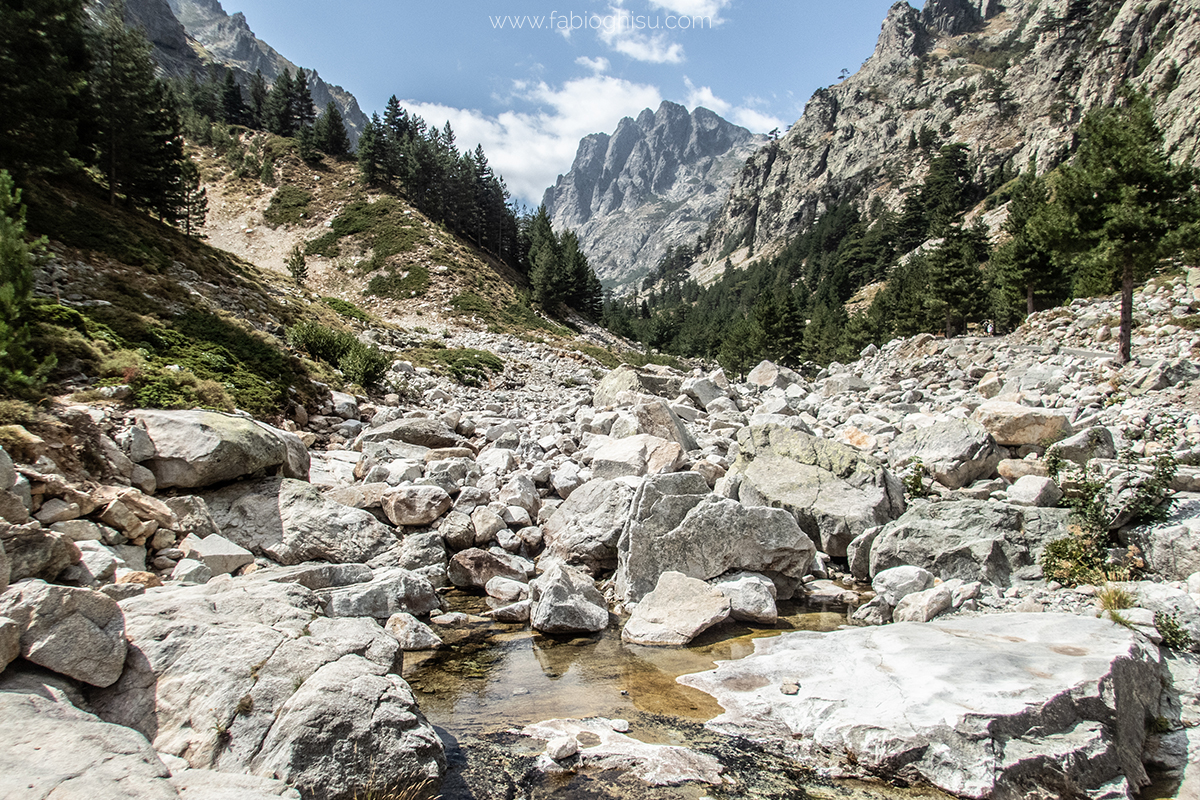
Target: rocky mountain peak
{"x": 652, "y": 184}
{"x": 953, "y": 17}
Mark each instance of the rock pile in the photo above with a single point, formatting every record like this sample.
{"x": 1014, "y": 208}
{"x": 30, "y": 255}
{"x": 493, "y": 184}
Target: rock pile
{"x": 231, "y": 592}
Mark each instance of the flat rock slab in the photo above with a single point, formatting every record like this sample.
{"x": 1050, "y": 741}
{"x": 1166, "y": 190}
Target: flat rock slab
{"x": 678, "y": 610}
{"x": 602, "y": 748}
{"x": 995, "y": 706}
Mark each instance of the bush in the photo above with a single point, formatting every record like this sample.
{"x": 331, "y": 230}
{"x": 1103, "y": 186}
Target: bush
{"x": 346, "y": 308}
{"x": 1173, "y": 634}
{"x": 319, "y": 342}
{"x": 288, "y": 206}
{"x": 414, "y": 283}
{"x": 364, "y": 365}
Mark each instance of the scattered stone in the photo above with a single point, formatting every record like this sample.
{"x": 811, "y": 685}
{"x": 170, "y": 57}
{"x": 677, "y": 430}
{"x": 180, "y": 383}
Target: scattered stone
{"x": 565, "y": 600}
{"x": 678, "y": 610}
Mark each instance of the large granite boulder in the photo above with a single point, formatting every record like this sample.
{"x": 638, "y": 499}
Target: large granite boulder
{"x": 1013, "y": 425}
{"x": 834, "y": 491}
{"x": 705, "y": 536}
{"x": 678, "y": 610}
{"x": 584, "y": 530}
{"x": 1000, "y": 706}
{"x": 419, "y": 431}
{"x": 637, "y": 455}
{"x": 290, "y": 522}
{"x": 35, "y": 552}
{"x": 971, "y": 539}
{"x": 565, "y": 600}
{"x": 51, "y": 749}
{"x": 628, "y": 379}
{"x": 1171, "y": 548}
{"x": 75, "y": 632}
{"x": 246, "y": 676}
{"x": 956, "y": 452}
{"x": 657, "y": 419}
{"x": 390, "y": 591}
{"x": 200, "y": 448}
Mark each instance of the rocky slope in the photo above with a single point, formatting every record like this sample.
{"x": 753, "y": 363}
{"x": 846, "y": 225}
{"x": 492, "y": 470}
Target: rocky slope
{"x": 652, "y": 184}
{"x": 208, "y": 600}
{"x": 1011, "y": 81}
{"x": 188, "y": 34}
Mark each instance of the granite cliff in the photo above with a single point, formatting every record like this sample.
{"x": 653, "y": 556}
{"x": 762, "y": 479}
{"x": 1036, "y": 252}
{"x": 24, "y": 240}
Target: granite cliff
{"x": 652, "y": 184}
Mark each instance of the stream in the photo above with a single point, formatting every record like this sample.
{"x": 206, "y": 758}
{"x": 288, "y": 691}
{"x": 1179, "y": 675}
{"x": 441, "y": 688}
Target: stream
{"x": 492, "y": 679}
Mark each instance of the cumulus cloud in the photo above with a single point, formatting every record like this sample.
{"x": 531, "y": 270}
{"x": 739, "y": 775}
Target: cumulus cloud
{"x": 745, "y": 115}
{"x": 695, "y": 8}
{"x": 637, "y": 44}
{"x": 597, "y": 65}
{"x": 531, "y": 148}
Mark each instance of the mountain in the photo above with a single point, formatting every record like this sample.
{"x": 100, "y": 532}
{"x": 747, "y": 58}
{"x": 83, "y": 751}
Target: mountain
{"x": 190, "y": 34}
{"x": 1011, "y": 81}
{"x": 652, "y": 184}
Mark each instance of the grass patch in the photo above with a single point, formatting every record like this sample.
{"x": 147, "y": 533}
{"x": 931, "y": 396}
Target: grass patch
{"x": 288, "y": 206}
{"x": 361, "y": 364}
{"x": 515, "y": 318}
{"x": 466, "y": 366}
{"x": 640, "y": 359}
{"x": 325, "y": 245}
{"x": 400, "y": 286}
{"x": 607, "y": 358}
{"x": 346, "y": 308}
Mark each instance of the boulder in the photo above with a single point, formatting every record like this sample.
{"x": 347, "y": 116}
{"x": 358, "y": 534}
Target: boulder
{"x": 642, "y": 454}
{"x": 190, "y": 571}
{"x": 678, "y": 610}
{"x": 834, "y": 491}
{"x": 584, "y": 530}
{"x": 1081, "y": 448}
{"x": 704, "y": 536}
{"x": 416, "y": 505}
{"x": 221, "y": 556}
{"x": 924, "y": 605}
{"x": 75, "y": 632}
{"x": 34, "y": 552}
{"x": 419, "y": 431}
{"x": 200, "y": 448}
{"x": 1014, "y": 425}
{"x": 49, "y": 748}
{"x": 10, "y": 642}
{"x": 411, "y": 633}
{"x": 608, "y": 751}
{"x": 751, "y": 597}
{"x": 473, "y": 568}
{"x": 245, "y": 676}
{"x": 768, "y": 375}
{"x": 970, "y": 539}
{"x": 628, "y": 379}
{"x": 1006, "y": 705}
{"x": 290, "y": 522}
{"x": 956, "y": 452}
{"x": 896, "y": 583}
{"x": 1171, "y": 548}
{"x": 388, "y": 592}
{"x": 565, "y": 600}
{"x": 657, "y": 419}
{"x": 1032, "y": 490}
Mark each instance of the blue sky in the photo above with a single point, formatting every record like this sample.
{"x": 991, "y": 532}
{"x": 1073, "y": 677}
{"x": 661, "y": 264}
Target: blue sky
{"x": 529, "y": 94}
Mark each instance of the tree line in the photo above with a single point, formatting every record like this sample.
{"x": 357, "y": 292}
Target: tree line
{"x": 1094, "y": 225}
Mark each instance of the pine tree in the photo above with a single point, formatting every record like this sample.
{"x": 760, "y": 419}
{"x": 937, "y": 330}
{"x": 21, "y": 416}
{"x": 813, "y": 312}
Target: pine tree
{"x": 19, "y": 370}
{"x": 1121, "y": 204}
{"x": 194, "y": 209}
{"x": 330, "y": 132}
{"x": 370, "y": 148}
{"x": 545, "y": 259}
{"x": 956, "y": 283}
{"x": 44, "y": 64}
{"x": 297, "y": 265}
{"x": 139, "y": 136}
{"x": 300, "y": 103}
{"x": 258, "y": 100}
{"x": 1022, "y": 268}
{"x": 278, "y": 106}
{"x": 233, "y": 107}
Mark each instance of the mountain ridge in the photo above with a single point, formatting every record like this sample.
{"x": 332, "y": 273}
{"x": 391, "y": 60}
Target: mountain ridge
{"x": 650, "y": 185}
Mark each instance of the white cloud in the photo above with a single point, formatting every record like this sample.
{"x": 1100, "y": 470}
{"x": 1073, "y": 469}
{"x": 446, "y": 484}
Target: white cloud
{"x": 597, "y": 65}
{"x": 695, "y": 8}
{"x": 638, "y": 45}
{"x": 703, "y": 96}
{"x": 530, "y": 149}
{"x": 745, "y": 115}
{"x": 756, "y": 121}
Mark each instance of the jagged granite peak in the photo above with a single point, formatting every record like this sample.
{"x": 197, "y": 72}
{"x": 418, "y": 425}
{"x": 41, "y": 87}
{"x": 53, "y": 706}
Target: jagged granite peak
{"x": 229, "y": 41}
{"x": 173, "y": 49}
{"x": 653, "y": 183}
{"x": 1013, "y": 85}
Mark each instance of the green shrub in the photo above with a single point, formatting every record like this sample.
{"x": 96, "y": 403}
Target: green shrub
{"x": 346, "y": 308}
{"x": 324, "y": 245}
{"x": 319, "y": 342}
{"x": 466, "y": 366}
{"x": 288, "y": 206}
{"x": 1173, "y": 634}
{"x": 364, "y": 365}
{"x": 1075, "y": 559}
